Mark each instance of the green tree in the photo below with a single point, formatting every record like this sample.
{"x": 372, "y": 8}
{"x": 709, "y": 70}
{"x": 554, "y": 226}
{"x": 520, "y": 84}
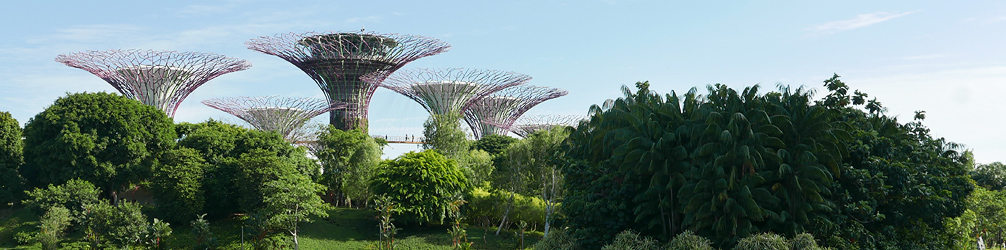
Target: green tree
{"x": 991, "y": 176}
{"x": 422, "y": 184}
{"x": 532, "y": 167}
{"x": 477, "y": 166}
{"x": 348, "y": 159}
{"x": 222, "y": 146}
{"x": 443, "y": 133}
{"x": 985, "y": 217}
{"x": 103, "y": 138}
{"x": 290, "y": 200}
{"x": 11, "y": 158}
{"x": 494, "y": 144}
{"x": 178, "y": 184}
{"x": 257, "y": 168}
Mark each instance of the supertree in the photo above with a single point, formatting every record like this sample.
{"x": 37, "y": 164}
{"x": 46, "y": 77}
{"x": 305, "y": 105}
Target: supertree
{"x": 451, "y": 90}
{"x": 162, "y": 79}
{"x": 280, "y": 114}
{"x": 503, "y": 107}
{"x": 527, "y": 125}
{"x": 337, "y": 61}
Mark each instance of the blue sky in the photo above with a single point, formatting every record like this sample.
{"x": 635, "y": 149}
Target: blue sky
{"x": 942, "y": 57}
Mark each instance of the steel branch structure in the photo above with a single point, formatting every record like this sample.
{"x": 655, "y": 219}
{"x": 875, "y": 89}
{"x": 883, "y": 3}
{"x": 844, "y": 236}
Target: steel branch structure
{"x": 282, "y": 115}
{"x": 504, "y": 107}
{"x": 162, "y": 79}
{"x": 443, "y": 91}
{"x": 336, "y": 61}
{"x": 527, "y": 125}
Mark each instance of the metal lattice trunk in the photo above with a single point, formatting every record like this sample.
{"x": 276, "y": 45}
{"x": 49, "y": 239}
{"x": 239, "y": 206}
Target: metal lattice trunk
{"x": 162, "y": 79}
{"x": 337, "y": 61}
{"x": 279, "y": 114}
{"x": 451, "y": 90}
{"x": 494, "y": 114}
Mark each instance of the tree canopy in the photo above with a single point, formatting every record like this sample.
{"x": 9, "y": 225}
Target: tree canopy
{"x": 731, "y": 163}
{"x": 106, "y": 139}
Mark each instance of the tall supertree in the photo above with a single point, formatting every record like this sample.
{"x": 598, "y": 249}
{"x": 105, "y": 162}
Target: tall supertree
{"x": 527, "y": 125}
{"x": 443, "y": 91}
{"x": 337, "y": 61}
{"x": 503, "y": 107}
{"x": 280, "y": 114}
{"x": 162, "y": 79}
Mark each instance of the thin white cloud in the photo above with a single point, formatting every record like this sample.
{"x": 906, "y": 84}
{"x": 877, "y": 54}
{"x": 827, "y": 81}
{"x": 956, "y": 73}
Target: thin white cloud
{"x": 860, "y": 21}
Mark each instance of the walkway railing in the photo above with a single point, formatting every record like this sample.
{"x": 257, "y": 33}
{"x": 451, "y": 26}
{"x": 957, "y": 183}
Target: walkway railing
{"x": 410, "y": 139}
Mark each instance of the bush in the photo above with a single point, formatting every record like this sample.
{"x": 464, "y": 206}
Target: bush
{"x": 804, "y": 241}
{"x": 629, "y": 240}
{"x": 123, "y": 225}
{"x": 73, "y": 195}
{"x": 557, "y": 239}
{"x": 489, "y": 206}
{"x": 177, "y": 184}
{"x": 53, "y": 225}
{"x": 422, "y": 184}
{"x": 762, "y": 241}
{"x": 687, "y": 240}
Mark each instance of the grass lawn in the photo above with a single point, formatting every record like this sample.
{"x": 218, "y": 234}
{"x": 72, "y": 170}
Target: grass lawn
{"x": 343, "y": 229}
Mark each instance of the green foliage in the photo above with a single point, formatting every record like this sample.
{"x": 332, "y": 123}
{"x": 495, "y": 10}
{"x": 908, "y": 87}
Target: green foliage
{"x": 985, "y": 216}
{"x": 103, "y": 138}
{"x": 157, "y": 232}
{"x": 422, "y": 184}
{"x": 53, "y": 225}
{"x": 349, "y": 159}
{"x": 257, "y": 168}
{"x": 488, "y": 206}
{"x": 762, "y": 241}
{"x": 204, "y": 239}
{"x": 897, "y": 184}
{"x": 477, "y": 166}
{"x": 123, "y": 225}
{"x": 225, "y": 149}
{"x": 804, "y": 241}
{"x": 494, "y": 144}
{"x": 443, "y": 133}
{"x": 558, "y": 239}
{"x": 11, "y": 158}
{"x": 629, "y": 240}
{"x": 74, "y": 195}
{"x": 385, "y": 209}
{"x": 731, "y": 163}
{"x": 991, "y": 176}
{"x": 177, "y": 184}
{"x": 687, "y": 240}
{"x": 290, "y": 200}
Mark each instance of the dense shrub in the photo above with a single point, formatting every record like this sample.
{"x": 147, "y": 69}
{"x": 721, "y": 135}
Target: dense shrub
{"x": 488, "y": 207}
{"x": 177, "y": 184}
{"x": 348, "y": 159}
{"x": 74, "y": 195}
{"x": 422, "y": 184}
{"x": 52, "y": 226}
{"x": 557, "y": 239}
{"x": 256, "y": 168}
{"x": 804, "y": 241}
{"x": 477, "y": 166}
{"x": 687, "y": 240}
{"x": 122, "y": 225}
{"x": 762, "y": 241}
{"x": 629, "y": 240}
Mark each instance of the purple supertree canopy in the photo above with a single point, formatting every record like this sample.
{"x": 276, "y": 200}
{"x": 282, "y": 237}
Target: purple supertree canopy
{"x": 504, "y": 107}
{"x": 528, "y": 124}
{"x": 279, "y": 114}
{"x": 336, "y": 61}
{"x": 158, "y": 78}
{"x": 451, "y": 90}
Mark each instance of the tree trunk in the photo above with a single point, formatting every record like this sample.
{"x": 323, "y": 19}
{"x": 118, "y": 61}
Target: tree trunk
{"x": 505, "y": 214}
